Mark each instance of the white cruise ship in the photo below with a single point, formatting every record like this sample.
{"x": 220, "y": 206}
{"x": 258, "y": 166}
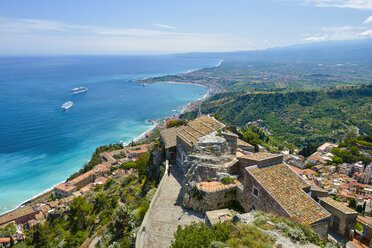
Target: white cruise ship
{"x": 79, "y": 90}
{"x": 67, "y": 105}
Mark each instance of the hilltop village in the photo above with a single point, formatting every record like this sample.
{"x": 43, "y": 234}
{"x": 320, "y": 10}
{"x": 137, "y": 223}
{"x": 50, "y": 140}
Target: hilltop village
{"x": 211, "y": 175}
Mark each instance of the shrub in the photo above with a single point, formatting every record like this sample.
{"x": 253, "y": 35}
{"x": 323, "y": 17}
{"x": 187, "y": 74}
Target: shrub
{"x": 227, "y": 180}
{"x": 217, "y": 244}
{"x": 259, "y": 220}
{"x": 296, "y": 234}
{"x": 282, "y": 226}
{"x": 358, "y": 227}
{"x": 249, "y": 236}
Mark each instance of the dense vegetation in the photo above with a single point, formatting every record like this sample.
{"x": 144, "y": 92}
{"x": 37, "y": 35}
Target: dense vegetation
{"x": 176, "y": 123}
{"x": 349, "y": 152}
{"x": 298, "y": 117}
{"x": 243, "y": 75}
{"x": 256, "y": 234}
{"x": 114, "y": 211}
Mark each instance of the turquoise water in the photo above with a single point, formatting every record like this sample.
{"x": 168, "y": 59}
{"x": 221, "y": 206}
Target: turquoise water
{"x": 41, "y": 145}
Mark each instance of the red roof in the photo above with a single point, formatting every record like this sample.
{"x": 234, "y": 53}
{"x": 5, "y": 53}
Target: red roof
{"x": 101, "y": 168}
{"x": 82, "y": 177}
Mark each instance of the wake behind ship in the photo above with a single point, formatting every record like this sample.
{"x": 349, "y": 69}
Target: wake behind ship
{"x": 67, "y": 105}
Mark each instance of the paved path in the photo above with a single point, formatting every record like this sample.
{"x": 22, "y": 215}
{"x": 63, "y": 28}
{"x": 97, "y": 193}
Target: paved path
{"x": 168, "y": 213}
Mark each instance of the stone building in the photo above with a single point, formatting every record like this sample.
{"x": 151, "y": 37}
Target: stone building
{"x": 189, "y": 135}
{"x": 19, "y": 216}
{"x": 257, "y": 181}
{"x": 64, "y": 190}
{"x": 210, "y": 161}
{"x": 343, "y": 218}
{"x": 168, "y": 137}
{"x": 272, "y": 186}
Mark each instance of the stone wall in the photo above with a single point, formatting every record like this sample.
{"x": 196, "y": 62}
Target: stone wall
{"x": 183, "y": 149}
{"x": 201, "y": 201}
{"x": 232, "y": 141}
{"x": 264, "y": 202}
{"x": 342, "y": 223}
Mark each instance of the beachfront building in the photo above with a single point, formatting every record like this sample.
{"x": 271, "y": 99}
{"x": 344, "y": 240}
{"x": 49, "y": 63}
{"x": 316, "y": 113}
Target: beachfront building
{"x": 64, "y": 190}
{"x": 83, "y": 179}
{"x": 19, "y": 216}
{"x": 67, "y": 189}
{"x": 101, "y": 170}
{"x": 189, "y": 135}
{"x": 136, "y": 151}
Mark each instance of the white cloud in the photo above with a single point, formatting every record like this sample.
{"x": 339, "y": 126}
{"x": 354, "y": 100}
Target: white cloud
{"x": 368, "y": 20}
{"x": 355, "y": 4}
{"x": 45, "y": 26}
{"x": 337, "y": 33}
{"x": 367, "y": 33}
{"x": 163, "y": 26}
{"x": 29, "y": 36}
{"x": 317, "y": 38}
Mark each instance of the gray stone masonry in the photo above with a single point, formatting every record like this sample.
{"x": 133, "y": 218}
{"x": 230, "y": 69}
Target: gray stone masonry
{"x": 210, "y": 160}
{"x": 168, "y": 213}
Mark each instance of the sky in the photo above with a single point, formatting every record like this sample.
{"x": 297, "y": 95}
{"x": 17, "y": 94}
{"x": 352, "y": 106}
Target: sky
{"x": 173, "y": 26}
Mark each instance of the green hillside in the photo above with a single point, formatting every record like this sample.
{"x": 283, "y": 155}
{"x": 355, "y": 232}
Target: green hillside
{"x": 298, "y": 116}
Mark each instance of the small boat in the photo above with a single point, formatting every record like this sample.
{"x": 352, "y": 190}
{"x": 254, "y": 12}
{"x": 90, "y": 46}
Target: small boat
{"x": 144, "y": 84}
{"x": 79, "y": 90}
{"x": 67, "y": 105}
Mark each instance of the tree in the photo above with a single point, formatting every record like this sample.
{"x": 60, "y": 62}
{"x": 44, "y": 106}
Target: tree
{"x": 141, "y": 163}
{"x": 39, "y": 236}
{"x": 352, "y": 203}
{"x": 11, "y": 243}
{"x": 337, "y": 160}
{"x": 79, "y": 215}
{"x": 310, "y": 148}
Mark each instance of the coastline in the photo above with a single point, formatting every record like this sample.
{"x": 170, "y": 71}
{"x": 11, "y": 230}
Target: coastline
{"x": 156, "y": 124}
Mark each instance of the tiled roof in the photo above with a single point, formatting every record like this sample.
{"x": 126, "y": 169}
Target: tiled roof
{"x": 338, "y": 205}
{"x": 286, "y": 187}
{"x": 16, "y": 214}
{"x": 82, "y": 177}
{"x": 65, "y": 187}
{"x": 260, "y": 155}
{"x": 198, "y": 128}
{"x": 101, "y": 168}
{"x": 216, "y": 186}
{"x": 243, "y": 143}
{"x": 169, "y": 136}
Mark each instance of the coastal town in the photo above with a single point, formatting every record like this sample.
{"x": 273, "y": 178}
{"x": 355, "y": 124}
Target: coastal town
{"x": 218, "y": 169}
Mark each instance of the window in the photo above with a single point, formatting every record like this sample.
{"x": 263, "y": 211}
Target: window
{"x": 255, "y": 191}
{"x": 253, "y": 207}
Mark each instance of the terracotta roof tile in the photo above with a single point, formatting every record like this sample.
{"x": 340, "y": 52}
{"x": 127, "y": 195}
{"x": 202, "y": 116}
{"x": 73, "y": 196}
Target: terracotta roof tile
{"x": 338, "y": 205}
{"x": 201, "y": 126}
{"x": 287, "y": 188}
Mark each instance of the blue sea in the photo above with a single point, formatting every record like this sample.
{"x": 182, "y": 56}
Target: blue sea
{"x": 41, "y": 145}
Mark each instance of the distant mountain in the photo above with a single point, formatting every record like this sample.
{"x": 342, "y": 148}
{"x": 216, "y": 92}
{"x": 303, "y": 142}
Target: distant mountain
{"x": 355, "y": 51}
